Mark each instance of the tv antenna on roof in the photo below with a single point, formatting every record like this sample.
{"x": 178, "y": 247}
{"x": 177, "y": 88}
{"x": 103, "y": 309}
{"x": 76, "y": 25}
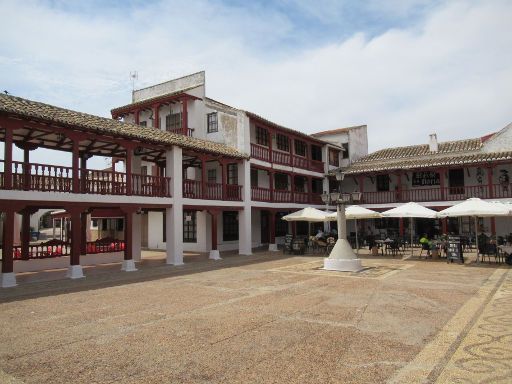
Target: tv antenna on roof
{"x": 134, "y": 76}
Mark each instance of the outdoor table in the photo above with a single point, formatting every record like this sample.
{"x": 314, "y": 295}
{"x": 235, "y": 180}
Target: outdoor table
{"x": 383, "y": 245}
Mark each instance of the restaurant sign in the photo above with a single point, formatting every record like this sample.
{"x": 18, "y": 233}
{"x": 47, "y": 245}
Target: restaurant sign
{"x": 425, "y": 179}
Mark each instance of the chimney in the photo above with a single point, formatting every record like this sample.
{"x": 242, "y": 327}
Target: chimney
{"x": 433, "y": 143}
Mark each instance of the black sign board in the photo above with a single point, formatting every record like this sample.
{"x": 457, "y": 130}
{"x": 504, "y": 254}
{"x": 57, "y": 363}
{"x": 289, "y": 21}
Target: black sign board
{"x": 423, "y": 179}
{"x": 454, "y": 250}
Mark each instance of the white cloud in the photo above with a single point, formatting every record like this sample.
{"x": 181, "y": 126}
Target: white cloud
{"x": 449, "y": 74}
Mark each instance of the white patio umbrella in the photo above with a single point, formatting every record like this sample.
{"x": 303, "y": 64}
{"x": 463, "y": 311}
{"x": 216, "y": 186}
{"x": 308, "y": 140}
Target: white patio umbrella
{"x": 355, "y": 212}
{"x": 308, "y": 214}
{"x": 477, "y": 208}
{"x": 411, "y": 210}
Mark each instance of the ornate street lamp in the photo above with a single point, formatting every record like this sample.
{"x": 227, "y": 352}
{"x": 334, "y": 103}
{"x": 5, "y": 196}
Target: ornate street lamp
{"x": 342, "y": 257}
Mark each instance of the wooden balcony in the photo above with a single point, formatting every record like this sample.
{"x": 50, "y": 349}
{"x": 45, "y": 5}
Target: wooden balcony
{"x": 56, "y": 178}
{"x": 262, "y": 153}
{"x": 180, "y": 131}
{"x": 496, "y": 191}
{"x": 193, "y": 189}
{"x": 285, "y": 196}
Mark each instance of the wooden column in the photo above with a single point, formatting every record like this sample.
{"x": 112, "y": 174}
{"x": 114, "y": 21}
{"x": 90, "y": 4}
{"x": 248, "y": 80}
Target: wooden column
{"x": 83, "y": 233}
{"x": 26, "y": 169}
{"x": 8, "y": 159}
{"x": 292, "y": 186}
{"x": 83, "y": 172}
{"x": 489, "y": 181}
{"x": 156, "y": 116}
{"x": 136, "y": 114}
{"x": 76, "y": 167}
{"x": 75, "y": 236}
{"x": 442, "y": 179}
{"x": 493, "y": 226}
{"x": 399, "y": 186}
{"x": 270, "y": 149}
{"x": 272, "y": 226}
{"x": 310, "y": 188}
{"x": 401, "y": 226}
{"x": 129, "y": 178}
{"x": 184, "y": 116}
{"x": 128, "y": 227}
{"x": 223, "y": 179}
{"x": 444, "y": 225}
{"x": 215, "y": 216}
{"x": 8, "y": 241}
{"x": 203, "y": 177}
{"x": 271, "y": 184}
{"x": 25, "y": 233}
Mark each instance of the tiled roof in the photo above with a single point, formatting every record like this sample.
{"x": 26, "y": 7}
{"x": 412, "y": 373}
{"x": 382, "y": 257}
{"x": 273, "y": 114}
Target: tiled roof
{"x": 272, "y": 124}
{"x": 423, "y": 150}
{"x": 101, "y": 125}
{"x": 152, "y": 100}
{"x": 335, "y": 131}
{"x": 427, "y": 162}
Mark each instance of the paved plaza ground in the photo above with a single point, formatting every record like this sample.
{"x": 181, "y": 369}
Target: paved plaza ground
{"x": 266, "y": 318}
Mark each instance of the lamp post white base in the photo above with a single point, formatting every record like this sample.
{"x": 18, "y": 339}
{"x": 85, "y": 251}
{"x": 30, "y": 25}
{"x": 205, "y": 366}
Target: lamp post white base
{"x": 75, "y": 272}
{"x": 342, "y": 258}
{"x": 343, "y": 265}
{"x": 273, "y": 248}
{"x": 215, "y": 255}
{"x": 8, "y": 280}
{"x": 128, "y": 266}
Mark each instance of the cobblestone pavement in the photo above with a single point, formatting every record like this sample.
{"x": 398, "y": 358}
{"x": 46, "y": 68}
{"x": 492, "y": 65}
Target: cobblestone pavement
{"x": 262, "y": 319}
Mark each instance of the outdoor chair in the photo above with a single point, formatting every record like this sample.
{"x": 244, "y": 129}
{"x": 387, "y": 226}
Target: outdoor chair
{"x": 489, "y": 250}
{"x": 322, "y": 245}
{"x": 425, "y": 247}
{"x": 287, "y": 246}
{"x": 298, "y": 246}
{"x": 394, "y": 248}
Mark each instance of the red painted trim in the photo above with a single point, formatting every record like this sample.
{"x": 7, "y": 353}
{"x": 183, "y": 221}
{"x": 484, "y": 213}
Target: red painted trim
{"x": 76, "y": 168}
{"x": 489, "y": 181}
{"x": 83, "y": 233}
{"x": 8, "y": 159}
{"x": 215, "y": 215}
{"x": 25, "y": 233}
{"x": 75, "y": 236}
{"x": 128, "y": 227}
{"x": 8, "y": 243}
{"x": 156, "y": 116}
{"x": 129, "y": 177}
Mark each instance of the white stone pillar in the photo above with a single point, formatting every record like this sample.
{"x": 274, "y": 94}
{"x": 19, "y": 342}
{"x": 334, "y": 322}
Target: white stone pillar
{"x": 174, "y": 214}
{"x": 244, "y": 216}
{"x": 136, "y": 236}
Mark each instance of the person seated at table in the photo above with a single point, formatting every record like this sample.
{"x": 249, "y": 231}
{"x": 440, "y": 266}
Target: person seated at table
{"x": 425, "y": 243}
{"x": 320, "y": 234}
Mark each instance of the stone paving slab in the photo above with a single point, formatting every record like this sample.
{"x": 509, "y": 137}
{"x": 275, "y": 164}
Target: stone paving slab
{"x": 267, "y": 318}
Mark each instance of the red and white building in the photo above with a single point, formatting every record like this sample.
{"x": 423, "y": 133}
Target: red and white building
{"x": 436, "y": 175}
{"x": 199, "y": 175}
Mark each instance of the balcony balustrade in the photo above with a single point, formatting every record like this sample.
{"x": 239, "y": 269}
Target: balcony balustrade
{"x": 56, "y": 178}
{"x": 438, "y": 194}
{"x": 193, "y": 189}
{"x": 261, "y": 152}
{"x": 180, "y": 131}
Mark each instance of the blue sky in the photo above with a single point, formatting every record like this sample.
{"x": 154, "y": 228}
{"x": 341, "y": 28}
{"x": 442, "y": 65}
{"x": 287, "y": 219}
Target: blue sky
{"x": 405, "y": 68}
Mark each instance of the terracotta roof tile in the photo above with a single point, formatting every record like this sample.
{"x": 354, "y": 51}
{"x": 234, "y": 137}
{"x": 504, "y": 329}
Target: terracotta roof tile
{"x": 101, "y": 125}
{"x": 152, "y": 100}
{"x": 427, "y": 162}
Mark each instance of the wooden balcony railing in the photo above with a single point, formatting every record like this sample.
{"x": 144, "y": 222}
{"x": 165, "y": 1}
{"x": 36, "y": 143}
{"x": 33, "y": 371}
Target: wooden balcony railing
{"x": 438, "y": 194}
{"x": 260, "y": 152}
{"x": 179, "y": 131}
{"x": 281, "y": 196}
{"x": 283, "y": 158}
{"x": 260, "y": 194}
{"x": 56, "y": 178}
{"x": 301, "y": 197}
{"x": 193, "y": 189}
